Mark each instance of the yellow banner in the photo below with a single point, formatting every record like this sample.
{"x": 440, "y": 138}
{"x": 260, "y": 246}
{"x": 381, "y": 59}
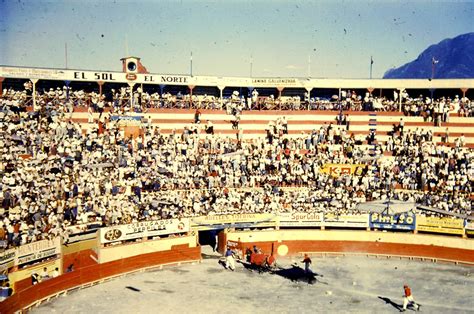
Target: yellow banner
{"x": 440, "y": 225}
{"x": 337, "y": 170}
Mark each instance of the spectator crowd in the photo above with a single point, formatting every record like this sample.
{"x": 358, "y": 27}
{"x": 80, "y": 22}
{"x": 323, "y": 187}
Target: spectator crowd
{"x": 55, "y": 175}
{"x": 125, "y": 100}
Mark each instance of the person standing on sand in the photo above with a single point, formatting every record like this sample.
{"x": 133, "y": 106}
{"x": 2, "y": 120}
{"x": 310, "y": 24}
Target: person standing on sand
{"x": 408, "y": 299}
{"x": 229, "y": 259}
{"x": 307, "y": 263}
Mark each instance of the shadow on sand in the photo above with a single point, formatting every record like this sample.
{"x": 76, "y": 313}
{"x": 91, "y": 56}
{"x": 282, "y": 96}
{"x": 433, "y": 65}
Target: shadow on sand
{"x": 389, "y": 301}
{"x": 296, "y": 273}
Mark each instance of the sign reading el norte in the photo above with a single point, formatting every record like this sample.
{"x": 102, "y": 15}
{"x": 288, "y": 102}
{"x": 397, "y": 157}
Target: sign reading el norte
{"x": 399, "y": 221}
{"x": 441, "y": 225}
{"x": 143, "y": 229}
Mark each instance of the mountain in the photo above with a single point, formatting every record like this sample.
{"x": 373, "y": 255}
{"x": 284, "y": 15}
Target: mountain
{"x": 453, "y": 57}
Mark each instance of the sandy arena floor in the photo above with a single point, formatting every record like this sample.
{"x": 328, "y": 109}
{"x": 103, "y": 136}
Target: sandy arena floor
{"x": 347, "y": 285}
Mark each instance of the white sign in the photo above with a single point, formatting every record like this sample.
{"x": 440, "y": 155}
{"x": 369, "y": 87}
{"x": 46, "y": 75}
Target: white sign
{"x": 186, "y": 80}
{"x": 37, "y": 250}
{"x": 300, "y": 219}
{"x": 355, "y": 221}
{"x": 7, "y": 259}
{"x": 143, "y": 229}
{"x": 469, "y": 225}
{"x": 274, "y": 82}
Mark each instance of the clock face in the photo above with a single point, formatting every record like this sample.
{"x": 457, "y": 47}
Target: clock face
{"x": 131, "y": 66}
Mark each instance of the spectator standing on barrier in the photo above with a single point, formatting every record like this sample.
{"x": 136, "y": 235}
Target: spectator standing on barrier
{"x": 44, "y": 274}
{"x": 408, "y": 299}
{"x": 55, "y": 273}
{"x": 35, "y": 279}
{"x": 229, "y": 259}
{"x": 307, "y": 264}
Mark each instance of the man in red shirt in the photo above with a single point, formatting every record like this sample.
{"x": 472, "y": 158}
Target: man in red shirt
{"x": 307, "y": 263}
{"x": 408, "y": 299}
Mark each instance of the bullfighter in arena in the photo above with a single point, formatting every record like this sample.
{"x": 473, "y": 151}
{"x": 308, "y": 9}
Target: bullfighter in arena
{"x": 229, "y": 259}
{"x": 307, "y": 263}
{"x": 408, "y": 299}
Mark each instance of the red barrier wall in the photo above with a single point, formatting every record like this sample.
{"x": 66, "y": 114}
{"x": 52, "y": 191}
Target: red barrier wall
{"x": 396, "y": 249}
{"x": 89, "y": 272}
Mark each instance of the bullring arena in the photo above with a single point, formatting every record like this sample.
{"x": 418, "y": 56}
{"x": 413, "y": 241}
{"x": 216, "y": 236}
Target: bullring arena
{"x": 117, "y": 185}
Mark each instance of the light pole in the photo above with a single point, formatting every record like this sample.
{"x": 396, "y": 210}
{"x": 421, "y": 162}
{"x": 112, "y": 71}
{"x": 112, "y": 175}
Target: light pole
{"x": 309, "y": 66}
{"x": 371, "y": 64}
{"x": 433, "y": 67}
{"x": 191, "y": 64}
{"x": 251, "y": 66}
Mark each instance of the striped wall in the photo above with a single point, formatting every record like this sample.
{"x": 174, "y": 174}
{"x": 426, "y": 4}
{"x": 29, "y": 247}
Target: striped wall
{"x": 254, "y": 123}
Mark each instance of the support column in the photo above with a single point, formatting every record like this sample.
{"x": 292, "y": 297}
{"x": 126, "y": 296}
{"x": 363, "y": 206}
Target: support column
{"x": 370, "y": 89}
{"x": 100, "y": 88}
{"x": 280, "y": 89}
{"x": 463, "y": 90}
{"x": 162, "y": 88}
{"x": 250, "y": 90}
{"x": 432, "y": 90}
{"x": 1, "y": 86}
{"x": 400, "y": 90}
{"x": 67, "y": 89}
{"x": 191, "y": 87}
{"x": 309, "y": 89}
{"x": 221, "y": 94}
{"x": 34, "y": 81}
{"x": 131, "y": 94}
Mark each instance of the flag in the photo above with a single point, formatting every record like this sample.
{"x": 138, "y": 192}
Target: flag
{"x": 434, "y": 61}
{"x": 371, "y": 60}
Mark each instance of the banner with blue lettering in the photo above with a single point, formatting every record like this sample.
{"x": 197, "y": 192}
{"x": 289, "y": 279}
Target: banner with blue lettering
{"x": 126, "y": 118}
{"x": 399, "y": 221}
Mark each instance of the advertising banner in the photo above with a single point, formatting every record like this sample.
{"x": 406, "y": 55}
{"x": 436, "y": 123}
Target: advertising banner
{"x": 275, "y": 82}
{"x": 233, "y": 221}
{"x": 300, "y": 219}
{"x": 469, "y": 226}
{"x": 62, "y": 74}
{"x": 37, "y": 251}
{"x": 400, "y": 221}
{"x": 143, "y": 229}
{"x": 350, "y": 221}
{"x": 440, "y": 225}
{"x": 337, "y": 170}
{"x": 82, "y": 232}
{"x": 7, "y": 259}
{"x": 127, "y": 120}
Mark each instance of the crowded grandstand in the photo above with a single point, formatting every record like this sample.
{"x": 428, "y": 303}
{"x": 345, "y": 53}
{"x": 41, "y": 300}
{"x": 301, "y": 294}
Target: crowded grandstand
{"x": 93, "y": 154}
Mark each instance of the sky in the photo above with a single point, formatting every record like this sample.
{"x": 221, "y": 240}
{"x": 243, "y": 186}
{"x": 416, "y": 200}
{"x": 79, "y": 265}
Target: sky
{"x": 259, "y": 38}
